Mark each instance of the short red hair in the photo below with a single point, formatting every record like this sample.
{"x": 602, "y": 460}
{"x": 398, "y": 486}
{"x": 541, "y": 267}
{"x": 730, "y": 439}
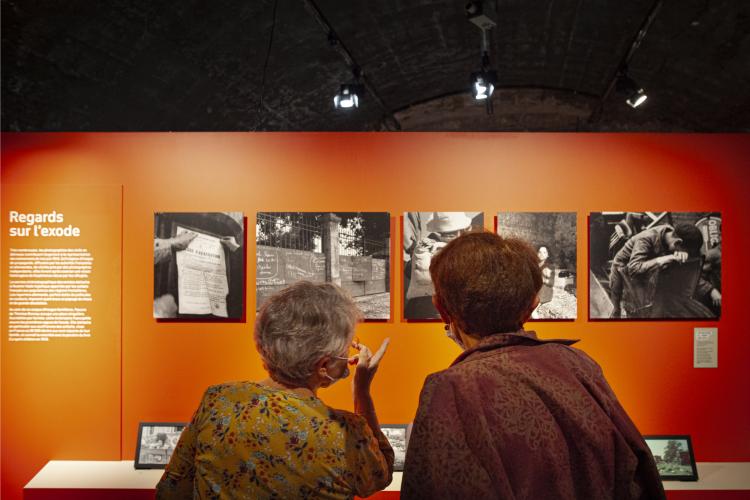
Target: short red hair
{"x": 486, "y": 283}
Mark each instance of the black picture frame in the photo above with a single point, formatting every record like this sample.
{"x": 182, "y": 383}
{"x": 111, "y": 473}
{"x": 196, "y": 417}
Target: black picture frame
{"x": 682, "y": 470}
{"x": 157, "y": 458}
{"x": 398, "y": 464}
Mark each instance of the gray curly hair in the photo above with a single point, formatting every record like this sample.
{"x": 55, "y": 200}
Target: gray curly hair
{"x": 299, "y": 325}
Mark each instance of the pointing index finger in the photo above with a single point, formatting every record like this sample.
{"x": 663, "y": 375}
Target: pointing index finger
{"x": 379, "y": 355}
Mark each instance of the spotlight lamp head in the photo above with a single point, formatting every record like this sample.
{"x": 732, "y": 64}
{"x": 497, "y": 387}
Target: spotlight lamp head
{"x": 634, "y": 93}
{"x": 347, "y": 97}
{"x": 483, "y": 84}
{"x": 637, "y": 99}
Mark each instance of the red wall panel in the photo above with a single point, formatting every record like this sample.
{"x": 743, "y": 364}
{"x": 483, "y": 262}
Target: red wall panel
{"x": 166, "y": 366}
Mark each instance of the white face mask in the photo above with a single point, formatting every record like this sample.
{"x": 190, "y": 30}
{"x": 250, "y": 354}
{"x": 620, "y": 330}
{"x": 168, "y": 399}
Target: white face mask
{"x": 343, "y": 375}
{"x": 451, "y": 335}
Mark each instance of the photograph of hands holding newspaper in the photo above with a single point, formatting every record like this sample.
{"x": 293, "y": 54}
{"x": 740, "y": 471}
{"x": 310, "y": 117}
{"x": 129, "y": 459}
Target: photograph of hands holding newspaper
{"x": 199, "y": 265}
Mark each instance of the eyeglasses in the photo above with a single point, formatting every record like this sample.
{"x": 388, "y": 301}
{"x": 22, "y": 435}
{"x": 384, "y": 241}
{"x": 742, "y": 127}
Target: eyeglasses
{"x": 353, "y": 359}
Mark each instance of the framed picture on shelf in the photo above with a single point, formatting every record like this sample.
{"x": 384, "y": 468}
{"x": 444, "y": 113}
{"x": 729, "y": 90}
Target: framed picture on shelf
{"x": 674, "y": 457}
{"x": 156, "y": 442}
{"x": 399, "y": 438}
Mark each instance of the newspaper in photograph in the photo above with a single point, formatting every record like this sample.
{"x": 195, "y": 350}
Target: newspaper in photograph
{"x": 202, "y": 283}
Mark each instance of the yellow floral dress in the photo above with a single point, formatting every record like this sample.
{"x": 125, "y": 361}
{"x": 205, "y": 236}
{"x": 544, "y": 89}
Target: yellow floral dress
{"x": 247, "y": 440}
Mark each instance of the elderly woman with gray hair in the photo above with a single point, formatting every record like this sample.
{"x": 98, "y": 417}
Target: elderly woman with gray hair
{"x": 275, "y": 438}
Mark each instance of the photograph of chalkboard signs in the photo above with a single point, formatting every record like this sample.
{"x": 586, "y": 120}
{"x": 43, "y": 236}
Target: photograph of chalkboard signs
{"x": 398, "y": 437}
{"x": 674, "y": 457}
{"x": 655, "y": 265}
{"x": 199, "y": 266}
{"x": 156, "y": 443}
{"x": 350, "y": 249}
{"x": 553, "y": 236}
{"x": 425, "y": 233}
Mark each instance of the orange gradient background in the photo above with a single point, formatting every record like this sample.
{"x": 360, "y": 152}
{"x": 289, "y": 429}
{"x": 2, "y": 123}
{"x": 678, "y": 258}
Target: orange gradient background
{"x": 61, "y": 398}
{"x": 165, "y": 367}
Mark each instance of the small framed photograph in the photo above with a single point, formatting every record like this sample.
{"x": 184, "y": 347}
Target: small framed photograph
{"x": 399, "y": 438}
{"x": 674, "y": 457}
{"x": 156, "y": 442}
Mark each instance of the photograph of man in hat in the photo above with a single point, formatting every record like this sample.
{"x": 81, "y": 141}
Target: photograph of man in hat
{"x": 425, "y": 233}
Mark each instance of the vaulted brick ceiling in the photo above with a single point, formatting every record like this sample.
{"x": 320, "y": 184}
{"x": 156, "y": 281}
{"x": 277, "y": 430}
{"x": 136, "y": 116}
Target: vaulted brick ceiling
{"x": 203, "y": 65}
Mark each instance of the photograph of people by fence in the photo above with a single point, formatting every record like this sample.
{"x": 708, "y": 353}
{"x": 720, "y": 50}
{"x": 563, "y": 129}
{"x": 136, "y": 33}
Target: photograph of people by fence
{"x": 350, "y": 249}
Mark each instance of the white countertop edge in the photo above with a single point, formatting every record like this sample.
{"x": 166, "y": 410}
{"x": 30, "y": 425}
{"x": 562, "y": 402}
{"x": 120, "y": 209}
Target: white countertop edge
{"x": 100, "y": 474}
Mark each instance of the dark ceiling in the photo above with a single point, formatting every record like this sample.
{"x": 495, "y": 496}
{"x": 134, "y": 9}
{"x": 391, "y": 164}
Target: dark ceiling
{"x": 269, "y": 65}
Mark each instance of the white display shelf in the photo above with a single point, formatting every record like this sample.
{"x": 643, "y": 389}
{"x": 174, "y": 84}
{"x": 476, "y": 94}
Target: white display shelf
{"x": 114, "y": 475}
{"x": 716, "y": 476}
{"x": 94, "y": 474}
{"x": 81, "y": 474}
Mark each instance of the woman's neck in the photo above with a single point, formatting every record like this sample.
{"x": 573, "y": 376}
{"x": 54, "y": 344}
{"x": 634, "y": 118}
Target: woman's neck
{"x": 467, "y": 339}
{"x": 300, "y": 391}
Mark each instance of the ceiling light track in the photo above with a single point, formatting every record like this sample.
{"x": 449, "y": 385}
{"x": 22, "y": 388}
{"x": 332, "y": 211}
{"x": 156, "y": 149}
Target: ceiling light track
{"x": 360, "y": 78}
{"x": 483, "y": 81}
{"x": 620, "y": 78}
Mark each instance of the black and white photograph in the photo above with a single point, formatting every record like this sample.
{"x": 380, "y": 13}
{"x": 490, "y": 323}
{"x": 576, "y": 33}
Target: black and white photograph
{"x": 350, "y": 249}
{"x": 674, "y": 457}
{"x": 398, "y": 437}
{"x": 553, "y": 237}
{"x": 655, "y": 265}
{"x": 425, "y": 233}
{"x": 199, "y": 266}
{"x": 156, "y": 442}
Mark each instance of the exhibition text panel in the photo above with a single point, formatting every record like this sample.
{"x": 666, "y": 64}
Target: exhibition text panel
{"x": 61, "y": 247}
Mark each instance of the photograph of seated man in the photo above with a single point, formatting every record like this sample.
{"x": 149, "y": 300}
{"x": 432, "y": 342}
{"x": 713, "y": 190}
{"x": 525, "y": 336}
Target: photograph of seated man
{"x": 670, "y": 269}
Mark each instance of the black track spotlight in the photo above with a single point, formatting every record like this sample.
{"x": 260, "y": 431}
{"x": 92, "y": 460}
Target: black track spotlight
{"x": 347, "y": 97}
{"x": 634, "y": 93}
{"x": 349, "y": 93}
{"x": 483, "y": 84}
{"x": 483, "y": 81}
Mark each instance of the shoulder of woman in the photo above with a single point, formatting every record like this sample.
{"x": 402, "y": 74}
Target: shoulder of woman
{"x": 577, "y": 360}
{"x": 231, "y": 388}
{"x": 443, "y": 382}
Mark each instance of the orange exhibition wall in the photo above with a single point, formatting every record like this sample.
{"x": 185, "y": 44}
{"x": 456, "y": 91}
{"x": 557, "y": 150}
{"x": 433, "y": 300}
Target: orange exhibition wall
{"x": 146, "y": 370}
